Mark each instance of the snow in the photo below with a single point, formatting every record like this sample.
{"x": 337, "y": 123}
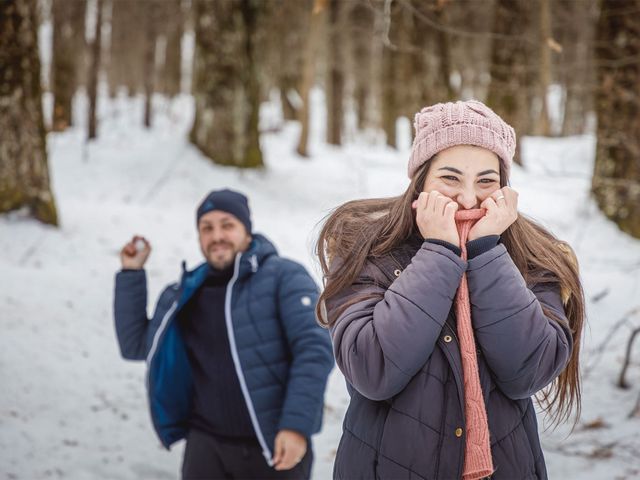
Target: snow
{"x": 70, "y": 407}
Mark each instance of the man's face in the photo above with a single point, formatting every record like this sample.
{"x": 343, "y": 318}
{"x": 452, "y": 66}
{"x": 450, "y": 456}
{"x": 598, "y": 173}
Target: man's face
{"x": 221, "y": 237}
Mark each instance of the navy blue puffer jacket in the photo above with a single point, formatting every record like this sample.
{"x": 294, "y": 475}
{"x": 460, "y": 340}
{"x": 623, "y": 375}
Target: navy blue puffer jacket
{"x": 282, "y": 356}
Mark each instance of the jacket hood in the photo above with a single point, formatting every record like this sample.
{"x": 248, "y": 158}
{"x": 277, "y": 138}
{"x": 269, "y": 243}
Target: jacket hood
{"x": 258, "y": 252}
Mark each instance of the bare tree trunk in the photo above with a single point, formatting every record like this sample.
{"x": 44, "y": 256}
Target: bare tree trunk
{"x": 510, "y": 77}
{"x": 575, "y": 32}
{"x": 94, "y": 72}
{"x": 390, "y": 102}
{"x": 24, "y": 173}
{"x": 284, "y": 50}
{"x": 253, "y": 154}
{"x": 117, "y": 46}
{"x": 427, "y": 80}
{"x": 308, "y": 73}
{"x": 616, "y": 174}
{"x": 401, "y": 34}
{"x": 543, "y": 126}
{"x": 444, "y": 54}
{"x": 172, "y": 71}
{"x": 226, "y": 88}
{"x": 391, "y": 99}
{"x": 287, "y": 84}
{"x": 335, "y": 83}
{"x": 68, "y": 48}
{"x": 126, "y": 53}
{"x": 149, "y": 65}
{"x": 361, "y": 23}
{"x": 470, "y": 54}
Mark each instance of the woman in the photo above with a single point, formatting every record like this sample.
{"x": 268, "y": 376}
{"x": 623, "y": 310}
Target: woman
{"x": 448, "y": 311}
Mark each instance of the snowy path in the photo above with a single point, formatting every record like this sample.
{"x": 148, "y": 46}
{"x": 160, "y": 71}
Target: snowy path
{"x": 70, "y": 407}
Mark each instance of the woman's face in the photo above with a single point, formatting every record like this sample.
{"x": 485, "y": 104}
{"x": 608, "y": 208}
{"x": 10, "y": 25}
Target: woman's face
{"x": 464, "y": 173}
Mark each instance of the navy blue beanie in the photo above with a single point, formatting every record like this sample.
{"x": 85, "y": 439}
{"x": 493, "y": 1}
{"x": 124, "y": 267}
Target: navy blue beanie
{"x": 228, "y": 201}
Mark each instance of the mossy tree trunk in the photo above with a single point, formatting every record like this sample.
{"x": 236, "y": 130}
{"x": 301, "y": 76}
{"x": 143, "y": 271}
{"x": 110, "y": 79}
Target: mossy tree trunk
{"x": 226, "y": 87}
{"x": 616, "y": 174}
{"x": 24, "y": 173}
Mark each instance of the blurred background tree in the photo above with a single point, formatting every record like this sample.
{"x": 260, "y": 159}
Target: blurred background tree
{"x": 616, "y": 176}
{"x": 24, "y": 174}
{"x": 548, "y": 67}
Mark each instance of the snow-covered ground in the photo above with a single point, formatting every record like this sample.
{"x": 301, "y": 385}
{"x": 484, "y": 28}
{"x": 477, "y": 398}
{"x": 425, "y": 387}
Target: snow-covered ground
{"x": 70, "y": 407}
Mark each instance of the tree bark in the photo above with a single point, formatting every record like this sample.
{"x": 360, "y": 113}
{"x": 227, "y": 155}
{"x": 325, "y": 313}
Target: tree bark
{"x": 361, "y": 23}
{"x": 172, "y": 71}
{"x": 391, "y": 98}
{"x": 94, "y": 71}
{"x": 575, "y": 32}
{"x": 24, "y": 173}
{"x": 444, "y": 54}
{"x": 126, "y": 52}
{"x": 284, "y": 59}
{"x": 544, "y": 80}
{"x": 68, "y": 49}
{"x": 308, "y": 73}
{"x": 335, "y": 81}
{"x": 149, "y": 65}
{"x": 616, "y": 175}
{"x": 226, "y": 87}
{"x": 390, "y": 103}
{"x": 510, "y": 76}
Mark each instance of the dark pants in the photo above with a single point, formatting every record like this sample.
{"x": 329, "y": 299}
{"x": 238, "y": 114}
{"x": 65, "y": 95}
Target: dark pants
{"x": 207, "y": 457}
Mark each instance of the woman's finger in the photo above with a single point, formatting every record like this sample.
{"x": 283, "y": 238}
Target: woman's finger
{"x": 490, "y": 204}
{"x": 432, "y": 201}
{"x": 421, "y": 202}
{"x": 511, "y": 197}
{"x": 441, "y": 203}
{"x": 450, "y": 210}
{"x": 499, "y": 197}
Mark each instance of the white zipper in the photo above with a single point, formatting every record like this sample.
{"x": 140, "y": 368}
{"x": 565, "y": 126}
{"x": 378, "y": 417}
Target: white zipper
{"x": 156, "y": 337}
{"x": 236, "y": 361}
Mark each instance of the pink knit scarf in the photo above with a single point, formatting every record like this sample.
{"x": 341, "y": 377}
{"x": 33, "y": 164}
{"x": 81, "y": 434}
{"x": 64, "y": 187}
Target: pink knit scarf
{"x": 477, "y": 458}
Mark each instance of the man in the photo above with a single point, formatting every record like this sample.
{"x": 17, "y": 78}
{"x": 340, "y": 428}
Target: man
{"x": 236, "y": 362}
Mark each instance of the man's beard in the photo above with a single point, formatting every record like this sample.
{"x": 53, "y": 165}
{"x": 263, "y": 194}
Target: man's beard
{"x": 218, "y": 261}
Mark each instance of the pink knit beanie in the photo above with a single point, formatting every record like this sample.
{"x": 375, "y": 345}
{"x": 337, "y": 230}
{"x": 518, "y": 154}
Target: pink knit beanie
{"x": 461, "y": 123}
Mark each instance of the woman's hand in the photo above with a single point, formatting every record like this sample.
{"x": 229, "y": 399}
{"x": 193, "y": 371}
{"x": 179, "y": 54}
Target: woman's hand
{"x": 435, "y": 216}
{"x": 502, "y": 211}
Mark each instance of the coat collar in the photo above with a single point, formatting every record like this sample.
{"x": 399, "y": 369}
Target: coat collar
{"x": 395, "y": 261}
{"x": 258, "y": 252}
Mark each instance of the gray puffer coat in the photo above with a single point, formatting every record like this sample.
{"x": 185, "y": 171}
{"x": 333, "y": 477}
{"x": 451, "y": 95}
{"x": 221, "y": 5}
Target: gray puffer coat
{"x": 397, "y": 346}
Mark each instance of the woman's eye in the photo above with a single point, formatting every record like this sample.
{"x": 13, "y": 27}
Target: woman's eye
{"x": 450, "y": 178}
{"x": 487, "y": 180}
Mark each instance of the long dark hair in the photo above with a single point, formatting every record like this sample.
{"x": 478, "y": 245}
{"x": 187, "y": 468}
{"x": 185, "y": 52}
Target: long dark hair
{"x": 361, "y": 229}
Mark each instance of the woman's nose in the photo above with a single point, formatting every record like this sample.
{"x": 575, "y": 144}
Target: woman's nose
{"x": 467, "y": 199}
